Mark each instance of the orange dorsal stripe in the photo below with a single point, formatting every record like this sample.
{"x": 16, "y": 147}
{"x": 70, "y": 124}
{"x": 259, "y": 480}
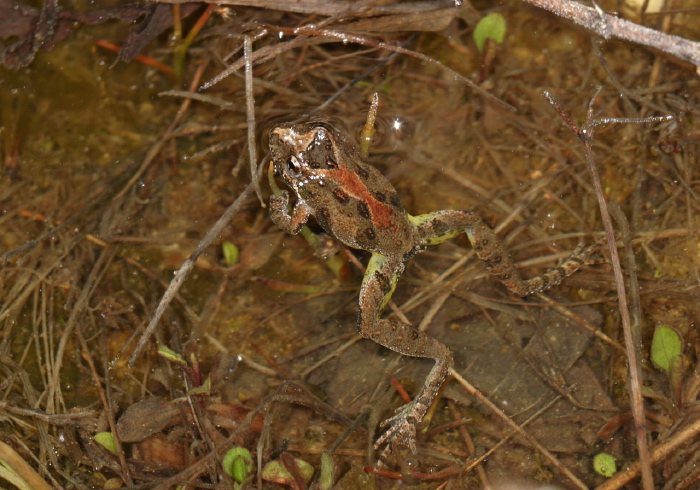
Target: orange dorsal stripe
{"x": 350, "y": 183}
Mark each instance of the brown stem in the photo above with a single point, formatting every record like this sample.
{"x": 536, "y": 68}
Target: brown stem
{"x": 585, "y": 134}
{"x": 608, "y": 26}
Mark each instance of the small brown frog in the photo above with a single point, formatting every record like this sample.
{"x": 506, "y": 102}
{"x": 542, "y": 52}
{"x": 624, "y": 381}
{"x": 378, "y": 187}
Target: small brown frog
{"x": 357, "y": 205}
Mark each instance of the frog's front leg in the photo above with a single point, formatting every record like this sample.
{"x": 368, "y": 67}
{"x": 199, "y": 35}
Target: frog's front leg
{"x": 290, "y": 223}
{"x": 377, "y": 287}
{"x": 437, "y": 227}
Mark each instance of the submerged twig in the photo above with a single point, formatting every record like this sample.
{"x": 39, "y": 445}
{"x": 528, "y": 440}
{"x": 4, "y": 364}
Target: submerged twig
{"x": 154, "y": 151}
{"x": 250, "y": 117}
{"x": 188, "y": 265}
{"x": 346, "y": 37}
{"x": 108, "y": 407}
{"x": 320, "y": 33}
{"x": 358, "y": 79}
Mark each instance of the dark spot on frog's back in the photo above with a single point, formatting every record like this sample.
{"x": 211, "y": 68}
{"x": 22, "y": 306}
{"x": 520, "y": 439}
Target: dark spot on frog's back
{"x": 380, "y": 196}
{"x": 370, "y": 234}
{"x": 395, "y": 201}
{"x": 341, "y": 196}
{"x": 361, "y": 172}
{"x": 363, "y": 210}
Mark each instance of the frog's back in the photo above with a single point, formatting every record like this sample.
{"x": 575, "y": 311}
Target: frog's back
{"x": 350, "y": 198}
{"x": 366, "y": 210}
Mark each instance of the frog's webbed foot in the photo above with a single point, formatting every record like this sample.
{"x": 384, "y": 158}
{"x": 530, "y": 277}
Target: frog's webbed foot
{"x": 402, "y": 426}
{"x": 402, "y": 429}
{"x": 291, "y": 223}
{"x": 278, "y": 210}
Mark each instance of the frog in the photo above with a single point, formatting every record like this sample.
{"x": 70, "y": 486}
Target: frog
{"x": 358, "y": 206}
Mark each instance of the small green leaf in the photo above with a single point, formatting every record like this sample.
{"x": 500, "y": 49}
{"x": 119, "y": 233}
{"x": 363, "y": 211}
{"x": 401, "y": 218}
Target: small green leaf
{"x": 493, "y": 26}
{"x": 230, "y": 253}
{"x": 666, "y": 347}
{"x": 325, "y": 480}
{"x": 604, "y": 464}
{"x": 237, "y": 463}
{"x": 204, "y": 389}
{"x": 276, "y": 472}
{"x": 106, "y": 439}
{"x": 171, "y": 355}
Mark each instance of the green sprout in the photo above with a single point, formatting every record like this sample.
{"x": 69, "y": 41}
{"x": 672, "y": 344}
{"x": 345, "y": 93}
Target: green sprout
{"x": 493, "y": 26}
{"x": 237, "y": 463}
{"x": 666, "y": 348}
{"x": 604, "y": 464}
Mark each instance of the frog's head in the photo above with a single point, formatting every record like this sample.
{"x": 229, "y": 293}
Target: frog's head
{"x": 303, "y": 152}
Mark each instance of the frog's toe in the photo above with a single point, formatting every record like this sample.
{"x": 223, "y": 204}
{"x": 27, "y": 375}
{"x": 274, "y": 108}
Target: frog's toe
{"x": 402, "y": 429}
{"x": 280, "y": 201}
{"x": 384, "y": 457}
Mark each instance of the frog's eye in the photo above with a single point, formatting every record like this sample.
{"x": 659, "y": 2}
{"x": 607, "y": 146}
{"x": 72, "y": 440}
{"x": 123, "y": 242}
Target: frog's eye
{"x": 293, "y": 167}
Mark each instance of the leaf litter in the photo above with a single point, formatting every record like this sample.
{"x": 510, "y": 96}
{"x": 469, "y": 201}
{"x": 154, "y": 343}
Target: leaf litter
{"x": 280, "y": 371}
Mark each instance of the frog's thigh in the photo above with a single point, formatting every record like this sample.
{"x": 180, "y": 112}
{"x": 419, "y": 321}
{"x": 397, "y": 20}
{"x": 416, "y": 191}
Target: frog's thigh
{"x": 377, "y": 287}
{"x": 435, "y": 228}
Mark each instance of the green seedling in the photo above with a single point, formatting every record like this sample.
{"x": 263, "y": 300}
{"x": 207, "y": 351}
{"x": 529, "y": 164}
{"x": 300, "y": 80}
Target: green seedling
{"x": 238, "y": 463}
{"x": 667, "y": 354}
{"x": 604, "y": 464}
{"x": 231, "y": 253}
{"x": 493, "y": 26}
{"x": 276, "y": 471}
{"x": 666, "y": 348}
{"x": 106, "y": 439}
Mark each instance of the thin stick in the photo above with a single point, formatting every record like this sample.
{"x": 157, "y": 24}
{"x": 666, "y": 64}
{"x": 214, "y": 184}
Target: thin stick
{"x": 477, "y": 394}
{"x": 606, "y": 25}
{"x": 185, "y": 269}
{"x": 187, "y": 266}
{"x": 250, "y": 116}
{"x": 165, "y": 137}
{"x": 586, "y": 135}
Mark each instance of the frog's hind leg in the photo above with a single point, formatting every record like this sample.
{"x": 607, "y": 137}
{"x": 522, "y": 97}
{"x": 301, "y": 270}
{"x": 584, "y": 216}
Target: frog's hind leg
{"x": 437, "y": 227}
{"x": 377, "y": 288}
